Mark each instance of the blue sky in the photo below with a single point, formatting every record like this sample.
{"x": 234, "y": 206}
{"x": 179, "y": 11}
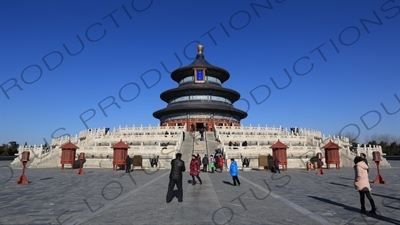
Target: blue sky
{"x": 342, "y": 58}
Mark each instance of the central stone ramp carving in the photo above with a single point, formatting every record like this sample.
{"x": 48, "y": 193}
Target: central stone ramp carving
{"x": 212, "y": 144}
{"x": 200, "y": 204}
{"x": 187, "y": 149}
{"x": 200, "y": 146}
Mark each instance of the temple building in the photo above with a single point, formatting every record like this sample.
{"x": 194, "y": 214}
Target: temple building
{"x": 200, "y": 101}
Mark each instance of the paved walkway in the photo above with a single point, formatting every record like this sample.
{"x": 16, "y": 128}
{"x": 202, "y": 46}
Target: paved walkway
{"x": 104, "y": 196}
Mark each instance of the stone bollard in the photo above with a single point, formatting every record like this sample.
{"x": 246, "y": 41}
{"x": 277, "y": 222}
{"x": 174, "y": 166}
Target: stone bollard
{"x": 24, "y": 159}
{"x": 308, "y": 166}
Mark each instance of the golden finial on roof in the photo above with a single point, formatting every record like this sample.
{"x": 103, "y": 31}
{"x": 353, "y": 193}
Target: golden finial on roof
{"x": 200, "y": 49}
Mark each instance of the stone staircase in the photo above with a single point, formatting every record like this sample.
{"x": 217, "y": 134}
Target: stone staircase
{"x": 212, "y": 144}
{"x": 187, "y": 148}
{"x": 50, "y": 159}
{"x": 194, "y": 145}
{"x": 200, "y": 146}
{"x": 347, "y": 160}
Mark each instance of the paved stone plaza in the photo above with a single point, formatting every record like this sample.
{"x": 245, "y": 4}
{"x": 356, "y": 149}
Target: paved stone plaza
{"x": 104, "y": 196}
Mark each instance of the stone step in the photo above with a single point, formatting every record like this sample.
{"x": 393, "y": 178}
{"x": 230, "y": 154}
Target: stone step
{"x": 187, "y": 148}
{"x": 200, "y": 146}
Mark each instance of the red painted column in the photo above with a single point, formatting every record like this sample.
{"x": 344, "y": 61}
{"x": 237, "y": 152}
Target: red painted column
{"x": 24, "y": 159}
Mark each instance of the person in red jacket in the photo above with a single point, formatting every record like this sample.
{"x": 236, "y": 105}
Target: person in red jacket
{"x": 221, "y": 162}
{"x": 195, "y": 169}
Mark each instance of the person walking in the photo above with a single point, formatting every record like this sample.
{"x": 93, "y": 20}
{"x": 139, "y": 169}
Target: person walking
{"x": 233, "y": 170}
{"x": 216, "y": 162}
{"x": 212, "y": 163}
{"x": 201, "y": 134}
{"x": 195, "y": 169}
{"x": 175, "y": 177}
{"x": 221, "y": 162}
{"x": 128, "y": 163}
{"x": 276, "y": 165}
{"x": 361, "y": 183}
{"x": 205, "y": 163}
{"x": 154, "y": 162}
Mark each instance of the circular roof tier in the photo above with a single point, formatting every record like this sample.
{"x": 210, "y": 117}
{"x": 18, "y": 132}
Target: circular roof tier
{"x": 203, "y": 89}
{"x": 200, "y": 106}
{"x": 212, "y": 71}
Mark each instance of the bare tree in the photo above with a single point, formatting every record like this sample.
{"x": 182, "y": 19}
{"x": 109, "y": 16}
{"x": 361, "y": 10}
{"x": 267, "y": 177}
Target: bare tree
{"x": 386, "y": 138}
{"x": 353, "y": 137}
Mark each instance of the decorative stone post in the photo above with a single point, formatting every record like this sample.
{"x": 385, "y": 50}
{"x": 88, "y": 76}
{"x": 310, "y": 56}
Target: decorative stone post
{"x": 24, "y": 159}
{"x": 377, "y": 158}
{"x": 81, "y": 159}
{"x": 315, "y": 165}
{"x": 308, "y": 166}
{"x": 320, "y": 171}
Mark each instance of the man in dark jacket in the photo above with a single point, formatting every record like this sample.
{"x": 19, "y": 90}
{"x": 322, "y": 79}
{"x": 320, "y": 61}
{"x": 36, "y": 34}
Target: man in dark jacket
{"x": 175, "y": 177}
{"x": 205, "y": 163}
{"x": 128, "y": 163}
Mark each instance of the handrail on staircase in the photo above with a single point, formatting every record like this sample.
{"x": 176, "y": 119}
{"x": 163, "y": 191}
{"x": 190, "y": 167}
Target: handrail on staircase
{"x": 194, "y": 138}
{"x": 205, "y": 140}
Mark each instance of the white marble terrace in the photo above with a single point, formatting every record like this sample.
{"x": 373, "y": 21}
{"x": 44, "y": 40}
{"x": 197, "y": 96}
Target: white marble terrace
{"x": 165, "y": 141}
{"x": 302, "y": 145}
{"x": 149, "y": 141}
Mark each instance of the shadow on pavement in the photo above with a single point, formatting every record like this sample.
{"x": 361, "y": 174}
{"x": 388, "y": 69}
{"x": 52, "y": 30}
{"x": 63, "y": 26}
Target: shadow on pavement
{"x": 346, "y": 178}
{"x": 343, "y": 185}
{"x": 227, "y": 182}
{"x": 357, "y": 210}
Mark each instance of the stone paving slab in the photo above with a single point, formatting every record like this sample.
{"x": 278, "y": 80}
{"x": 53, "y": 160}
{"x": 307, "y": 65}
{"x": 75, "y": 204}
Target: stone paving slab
{"x": 104, "y": 196}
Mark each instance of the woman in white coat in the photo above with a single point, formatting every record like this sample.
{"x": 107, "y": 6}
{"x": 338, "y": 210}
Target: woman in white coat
{"x": 361, "y": 183}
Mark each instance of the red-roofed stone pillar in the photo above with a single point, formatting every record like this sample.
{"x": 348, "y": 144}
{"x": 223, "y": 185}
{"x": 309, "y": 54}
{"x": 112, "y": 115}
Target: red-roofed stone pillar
{"x": 68, "y": 151}
{"x": 279, "y": 153}
{"x": 120, "y": 153}
{"x": 332, "y": 155}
